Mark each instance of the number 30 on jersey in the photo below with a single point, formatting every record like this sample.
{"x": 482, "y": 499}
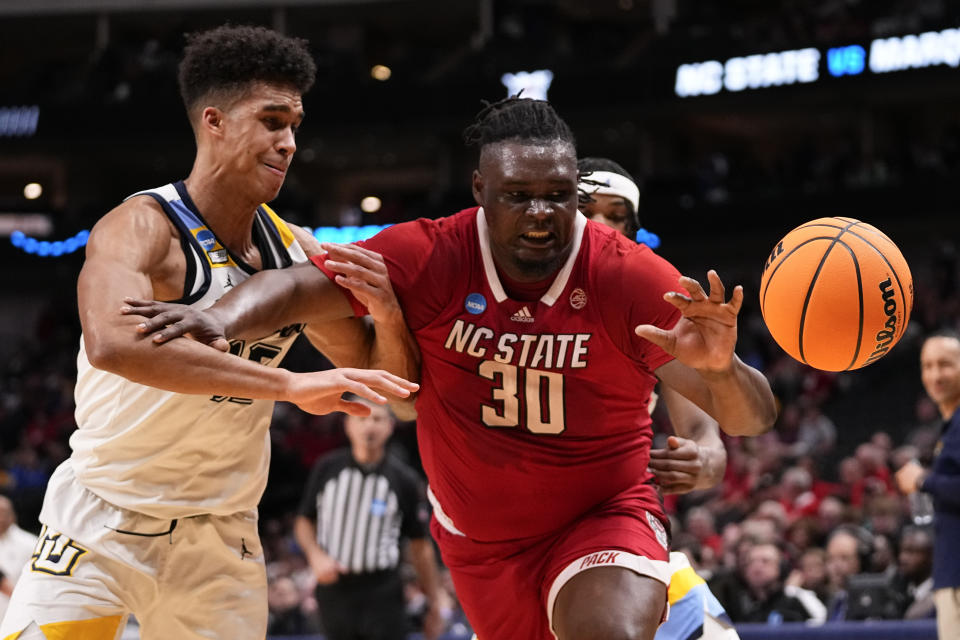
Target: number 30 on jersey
{"x": 537, "y": 394}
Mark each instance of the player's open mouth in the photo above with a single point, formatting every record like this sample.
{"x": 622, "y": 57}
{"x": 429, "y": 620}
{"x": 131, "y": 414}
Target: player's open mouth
{"x": 537, "y": 238}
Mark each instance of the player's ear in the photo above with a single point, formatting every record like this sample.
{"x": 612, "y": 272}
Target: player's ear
{"x": 477, "y": 184}
{"x": 211, "y": 119}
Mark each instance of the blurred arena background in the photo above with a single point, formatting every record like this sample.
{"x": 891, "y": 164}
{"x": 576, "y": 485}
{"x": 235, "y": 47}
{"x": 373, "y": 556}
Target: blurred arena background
{"x": 742, "y": 119}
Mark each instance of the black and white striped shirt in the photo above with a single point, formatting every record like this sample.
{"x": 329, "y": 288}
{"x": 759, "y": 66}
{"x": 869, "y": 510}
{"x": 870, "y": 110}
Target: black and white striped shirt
{"x": 362, "y": 514}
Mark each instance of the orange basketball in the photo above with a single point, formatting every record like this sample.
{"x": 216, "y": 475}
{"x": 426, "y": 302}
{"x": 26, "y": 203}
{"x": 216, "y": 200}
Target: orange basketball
{"x": 836, "y": 294}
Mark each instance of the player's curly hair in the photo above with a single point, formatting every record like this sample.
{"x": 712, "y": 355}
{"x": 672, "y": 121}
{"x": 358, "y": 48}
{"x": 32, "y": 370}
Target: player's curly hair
{"x": 519, "y": 119}
{"x": 227, "y": 59}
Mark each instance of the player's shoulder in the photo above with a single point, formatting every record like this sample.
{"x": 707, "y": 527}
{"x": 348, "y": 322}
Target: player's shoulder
{"x": 138, "y": 219}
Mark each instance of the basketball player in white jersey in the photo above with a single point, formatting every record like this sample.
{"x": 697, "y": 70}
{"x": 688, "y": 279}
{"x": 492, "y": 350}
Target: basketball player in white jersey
{"x": 154, "y": 513}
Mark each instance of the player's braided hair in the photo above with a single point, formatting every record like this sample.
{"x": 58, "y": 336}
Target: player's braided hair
{"x": 227, "y": 59}
{"x": 518, "y": 119}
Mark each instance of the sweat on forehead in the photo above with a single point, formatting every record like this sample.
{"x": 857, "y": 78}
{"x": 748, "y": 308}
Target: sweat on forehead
{"x": 507, "y": 151}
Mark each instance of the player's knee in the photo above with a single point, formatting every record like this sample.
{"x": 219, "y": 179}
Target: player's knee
{"x": 609, "y": 603}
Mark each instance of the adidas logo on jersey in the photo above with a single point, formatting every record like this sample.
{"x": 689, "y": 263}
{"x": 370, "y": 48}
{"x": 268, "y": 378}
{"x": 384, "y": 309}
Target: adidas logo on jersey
{"x": 523, "y": 315}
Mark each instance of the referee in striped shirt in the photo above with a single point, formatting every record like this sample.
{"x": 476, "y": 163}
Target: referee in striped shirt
{"x": 360, "y": 504}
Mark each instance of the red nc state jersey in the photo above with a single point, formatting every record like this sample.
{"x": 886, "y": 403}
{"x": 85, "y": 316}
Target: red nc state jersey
{"x": 530, "y": 413}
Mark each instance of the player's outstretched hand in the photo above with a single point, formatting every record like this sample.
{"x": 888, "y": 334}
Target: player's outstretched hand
{"x": 168, "y": 320}
{"x": 320, "y": 392}
{"x": 705, "y": 337}
{"x": 364, "y": 273}
{"x": 678, "y": 467}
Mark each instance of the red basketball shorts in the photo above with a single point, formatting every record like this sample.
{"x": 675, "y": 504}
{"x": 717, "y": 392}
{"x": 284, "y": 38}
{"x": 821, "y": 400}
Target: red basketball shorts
{"x": 507, "y": 589}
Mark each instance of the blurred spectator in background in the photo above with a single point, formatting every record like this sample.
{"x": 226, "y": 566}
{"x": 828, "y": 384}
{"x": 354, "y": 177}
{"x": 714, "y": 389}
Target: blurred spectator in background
{"x": 915, "y": 565}
{"x": 848, "y": 553}
{"x": 811, "y": 573}
{"x": 940, "y": 374}
{"x": 765, "y": 598}
{"x": 700, "y": 524}
{"x": 16, "y": 548}
{"x": 286, "y": 616}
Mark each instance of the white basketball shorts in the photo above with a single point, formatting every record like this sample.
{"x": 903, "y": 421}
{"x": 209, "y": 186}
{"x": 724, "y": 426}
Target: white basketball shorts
{"x": 95, "y": 564}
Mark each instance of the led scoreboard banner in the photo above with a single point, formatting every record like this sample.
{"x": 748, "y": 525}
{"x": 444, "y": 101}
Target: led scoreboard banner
{"x": 804, "y": 66}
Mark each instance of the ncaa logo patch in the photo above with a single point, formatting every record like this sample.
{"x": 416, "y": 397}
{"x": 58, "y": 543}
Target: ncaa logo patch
{"x": 206, "y": 239}
{"x": 658, "y": 530}
{"x": 475, "y": 304}
{"x": 378, "y": 507}
{"x": 578, "y": 298}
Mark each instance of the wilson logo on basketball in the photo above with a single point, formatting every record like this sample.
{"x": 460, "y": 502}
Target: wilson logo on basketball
{"x": 773, "y": 255}
{"x": 886, "y": 335}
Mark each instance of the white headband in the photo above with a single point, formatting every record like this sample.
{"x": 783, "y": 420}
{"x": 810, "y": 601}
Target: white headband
{"x": 611, "y": 184}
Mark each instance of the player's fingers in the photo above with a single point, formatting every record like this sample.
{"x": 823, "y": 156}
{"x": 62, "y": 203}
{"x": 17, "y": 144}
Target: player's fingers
{"x": 387, "y": 383}
{"x": 736, "y": 300}
{"x": 663, "y": 339}
{"x": 694, "y": 288}
{"x": 221, "y": 344}
{"x": 354, "y": 408}
{"x": 678, "y": 300}
{"x": 366, "y": 291}
{"x": 674, "y": 465}
{"x": 358, "y": 273}
{"x": 678, "y": 487}
{"x": 357, "y": 255}
{"x": 160, "y": 321}
{"x": 359, "y": 388}
{"x": 140, "y": 307}
{"x": 170, "y": 332}
{"x": 718, "y": 292}
{"x": 366, "y": 375}
{"x": 147, "y": 309}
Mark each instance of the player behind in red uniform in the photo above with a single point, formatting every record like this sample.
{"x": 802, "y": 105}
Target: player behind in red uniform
{"x": 541, "y": 337}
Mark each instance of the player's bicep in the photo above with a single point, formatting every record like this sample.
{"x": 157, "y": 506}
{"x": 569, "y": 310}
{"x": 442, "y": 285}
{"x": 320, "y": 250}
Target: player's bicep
{"x": 126, "y": 250}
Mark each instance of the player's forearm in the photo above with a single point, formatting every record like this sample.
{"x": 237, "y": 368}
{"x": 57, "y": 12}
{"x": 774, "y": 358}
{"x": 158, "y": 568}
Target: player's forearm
{"x": 186, "y": 366}
{"x": 741, "y": 400}
{"x": 260, "y": 306}
{"x": 395, "y": 350}
{"x": 713, "y": 455}
{"x": 275, "y": 298}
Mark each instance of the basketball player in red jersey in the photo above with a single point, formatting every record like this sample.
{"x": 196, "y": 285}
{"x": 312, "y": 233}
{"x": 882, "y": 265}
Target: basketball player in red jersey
{"x": 541, "y": 336}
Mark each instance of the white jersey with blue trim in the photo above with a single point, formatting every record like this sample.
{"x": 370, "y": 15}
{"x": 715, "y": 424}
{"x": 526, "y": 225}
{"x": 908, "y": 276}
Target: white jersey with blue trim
{"x": 174, "y": 455}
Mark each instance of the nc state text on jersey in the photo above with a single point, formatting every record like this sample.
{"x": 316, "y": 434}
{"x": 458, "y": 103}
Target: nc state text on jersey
{"x": 541, "y": 350}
